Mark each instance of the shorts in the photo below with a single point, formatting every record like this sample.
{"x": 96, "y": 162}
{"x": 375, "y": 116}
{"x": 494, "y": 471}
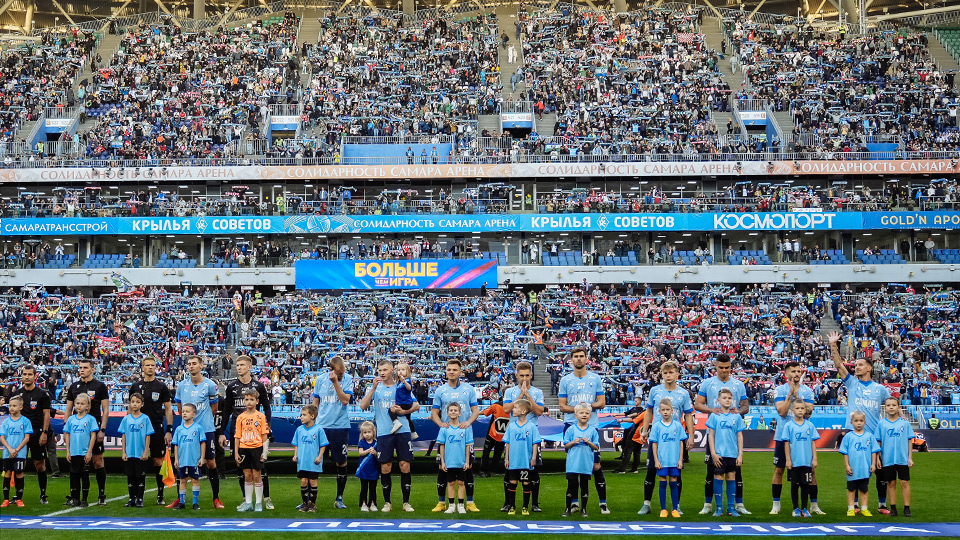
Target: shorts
{"x": 250, "y": 458}
{"x": 14, "y": 464}
{"x": 780, "y": 455}
{"x": 134, "y": 468}
{"x": 190, "y": 472}
{"x": 728, "y": 465}
{"x": 38, "y": 452}
{"x": 158, "y": 446}
{"x": 861, "y": 485}
{"x": 455, "y": 475}
{"x": 211, "y": 453}
{"x": 98, "y": 448}
{"x": 519, "y": 475}
{"x": 891, "y": 473}
{"x": 77, "y": 465}
{"x": 668, "y": 471}
{"x": 801, "y": 475}
{"x": 338, "y": 448}
{"x": 309, "y": 475}
{"x": 395, "y": 442}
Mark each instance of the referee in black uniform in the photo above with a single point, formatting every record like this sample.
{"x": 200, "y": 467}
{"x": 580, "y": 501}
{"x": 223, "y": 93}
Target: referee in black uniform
{"x": 233, "y": 399}
{"x": 98, "y": 395}
{"x": 157, "y": 406}
{"x": 36, "y": 407}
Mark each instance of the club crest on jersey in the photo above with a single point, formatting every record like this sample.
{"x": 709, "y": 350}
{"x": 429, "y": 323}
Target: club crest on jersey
{"x": 155, "y": 396}
{"x": 91, "y": 393}
{"x": 33, "y": 404}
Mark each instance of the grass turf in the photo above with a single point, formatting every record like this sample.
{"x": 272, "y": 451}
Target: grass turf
{"x": 934, "y": 497}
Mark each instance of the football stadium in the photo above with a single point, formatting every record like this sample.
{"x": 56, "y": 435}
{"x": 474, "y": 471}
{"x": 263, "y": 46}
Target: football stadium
{"x": 460, "y": 268}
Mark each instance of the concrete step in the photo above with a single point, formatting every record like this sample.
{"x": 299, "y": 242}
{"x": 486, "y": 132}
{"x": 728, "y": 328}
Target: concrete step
{"x": 785, "y": 119}
{"x": 106, "y": 48}
{"x": 309, "y": 27}
{"x": 507, "y": 16}
{"x": 715, "y": 38}
{"x": 25, "y": 130}
{"x": 545, "y": 125}
{"x": 721, "y": 119}
{"x": 945, "y": 60}
{"x": 489, "y": 122}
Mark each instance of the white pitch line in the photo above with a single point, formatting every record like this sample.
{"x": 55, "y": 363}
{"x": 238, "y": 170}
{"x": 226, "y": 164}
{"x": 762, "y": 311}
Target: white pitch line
{"x": 75, "y": 508}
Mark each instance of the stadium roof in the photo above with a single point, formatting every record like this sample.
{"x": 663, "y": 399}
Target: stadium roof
{"x": 29, "y": 17}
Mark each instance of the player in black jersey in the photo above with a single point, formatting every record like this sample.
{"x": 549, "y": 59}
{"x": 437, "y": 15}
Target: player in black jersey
{"x": 234, "y": 400}
{"x": 157, "y": 406}
{"x": 36, "y": 407}
{"x": 100, "y": 410}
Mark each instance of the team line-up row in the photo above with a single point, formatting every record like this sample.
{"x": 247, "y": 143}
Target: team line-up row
{"x": 879, "y": 441}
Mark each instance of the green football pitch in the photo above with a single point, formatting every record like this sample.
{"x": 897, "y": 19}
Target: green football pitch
{"x": 935, "y": 486}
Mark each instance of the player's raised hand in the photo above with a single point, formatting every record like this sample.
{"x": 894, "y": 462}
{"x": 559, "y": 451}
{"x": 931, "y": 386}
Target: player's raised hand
{"x": 833, "y": 337}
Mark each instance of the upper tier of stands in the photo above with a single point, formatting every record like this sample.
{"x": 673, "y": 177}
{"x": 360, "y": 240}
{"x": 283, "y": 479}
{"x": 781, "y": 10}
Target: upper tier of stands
{"x": 375, "y": 76}
{"x": 624, "y": 87}
{"x": 883, "y": 87}
{"x": 170, "y": 94}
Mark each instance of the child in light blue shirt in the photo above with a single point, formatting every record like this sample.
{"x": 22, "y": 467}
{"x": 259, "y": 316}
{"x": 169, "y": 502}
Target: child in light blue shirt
{"x": 666, "y": 444}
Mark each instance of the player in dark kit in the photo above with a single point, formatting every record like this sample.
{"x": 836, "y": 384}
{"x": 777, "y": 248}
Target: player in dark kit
{"x": 100, "y": 410}
{"x": 36, "y": 408}
{"x": 157, "y": 406}
{"x": 235, "y": 407}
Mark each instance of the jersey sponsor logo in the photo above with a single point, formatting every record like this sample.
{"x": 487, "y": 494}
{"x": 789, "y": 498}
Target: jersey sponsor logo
{"x": 861, "y": 447}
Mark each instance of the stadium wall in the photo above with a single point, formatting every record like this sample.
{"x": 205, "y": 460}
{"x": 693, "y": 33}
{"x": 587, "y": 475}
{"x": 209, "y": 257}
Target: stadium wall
{"x": 518, "y": 275}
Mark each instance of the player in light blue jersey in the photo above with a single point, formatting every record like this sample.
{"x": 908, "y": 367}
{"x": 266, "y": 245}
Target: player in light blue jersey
{"x": 800, "y": 436}
{"x": 79, "y": 433}
{"x": 15, "y": 433}
{"x": 859, "y": 450}
{"x": 308, "y": 442}
{"x": 707, "y": 402}
{"x": 525, "y": 390}
{"x": 583, "y": 386}
{"x": 382, "y": 397}
{"x": 866, "y": 395}
{"x": 455, "y": 391}
{"x": 522, "y": 441}
{"x": 725, "y": 439}
{"x": 581, "y": 441}
{"x": 202, "y": 393}
{"x": 785, "y": 395}
{"x": 896, "y": 453}
{"x": 137, "y": 430}
{"x": 456, "y": 444}
{"x": 682, "y": 412}
{"x": 190, "y": 448}
{"x": 331, "y": 395}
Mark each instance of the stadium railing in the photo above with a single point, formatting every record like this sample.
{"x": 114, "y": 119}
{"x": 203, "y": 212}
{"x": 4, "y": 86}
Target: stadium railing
{"x": 481, "y": 160}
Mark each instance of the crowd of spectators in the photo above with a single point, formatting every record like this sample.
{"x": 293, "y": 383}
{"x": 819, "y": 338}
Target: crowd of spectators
{"x": 375, "y": 75}
{"x": 846, "y": 91}
{"x": 36, "y": 75}
{"x": 629, "y": 330}
{"x": 170, "y": 94}
{"x": 634, "y": 83}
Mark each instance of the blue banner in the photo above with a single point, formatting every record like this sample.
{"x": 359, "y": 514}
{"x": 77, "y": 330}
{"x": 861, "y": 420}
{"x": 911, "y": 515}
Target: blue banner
{"x": 459, "y": 526}
{"x": 432, "y": 223}
{"x": 397, "y": 274}
{"x": 911, "y": 220}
